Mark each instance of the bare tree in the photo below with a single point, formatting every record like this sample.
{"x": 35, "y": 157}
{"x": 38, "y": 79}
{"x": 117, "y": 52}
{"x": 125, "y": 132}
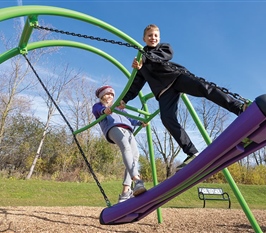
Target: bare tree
{"x": 11, "y": 88}
{"x": 212, "y": 116}
{"x": 13, "y": 78}
{"x": 260, "y": 156}
{"x": 167, "y": 147}
{"x": 79, "y": 100}
{"x": 56, "y": 84}
{"x": 256, "y": 158}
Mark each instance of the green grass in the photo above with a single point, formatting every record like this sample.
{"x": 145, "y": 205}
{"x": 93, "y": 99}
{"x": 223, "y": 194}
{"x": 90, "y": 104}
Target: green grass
{"x": 51, "y": 193}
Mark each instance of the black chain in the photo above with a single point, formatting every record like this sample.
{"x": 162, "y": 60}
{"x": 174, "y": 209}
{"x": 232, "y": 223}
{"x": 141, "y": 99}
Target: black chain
{"x": 182, "y": 70}
{"x": 108, "y": 203}
{"x": 87, "y": 37}
{"x": 185, "y": 71}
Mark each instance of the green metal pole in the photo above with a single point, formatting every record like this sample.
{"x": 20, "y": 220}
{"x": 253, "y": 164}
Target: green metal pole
{"x": 27, "y": 31}
{"x": 153, "y": 166}
{"x": 225, "y": 171}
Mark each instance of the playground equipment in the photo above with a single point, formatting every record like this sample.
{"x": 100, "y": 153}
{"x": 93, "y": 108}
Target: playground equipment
{"x": 231, "y": 146}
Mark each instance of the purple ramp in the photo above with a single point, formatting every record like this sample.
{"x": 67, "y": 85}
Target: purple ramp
{"x": 225, "y": 150}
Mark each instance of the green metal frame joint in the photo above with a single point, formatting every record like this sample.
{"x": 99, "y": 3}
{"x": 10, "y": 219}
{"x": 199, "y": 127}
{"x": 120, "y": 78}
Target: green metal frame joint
{"x": 33, "y": 20}
{"x": 23, "y": 51}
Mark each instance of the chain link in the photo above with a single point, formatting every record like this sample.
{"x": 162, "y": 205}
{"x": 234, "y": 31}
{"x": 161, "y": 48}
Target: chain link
{"x": 87, "y": 37}
{"x": 185, "y": 71}
{"x": 182, "y": 70}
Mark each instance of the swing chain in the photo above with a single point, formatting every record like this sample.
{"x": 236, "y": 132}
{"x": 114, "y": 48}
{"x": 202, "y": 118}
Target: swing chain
{"x": 86, "y": 36}
{"x": 182, "y": 70}
{"x": 108, "y": 203}
{"x": 185, "y": 71}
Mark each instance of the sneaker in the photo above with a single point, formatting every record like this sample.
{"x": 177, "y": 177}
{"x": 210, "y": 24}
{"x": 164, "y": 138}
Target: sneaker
{"x": 139, "y": 188}
{"x": 185, "y": 162}
{"x": 125, "y": 196}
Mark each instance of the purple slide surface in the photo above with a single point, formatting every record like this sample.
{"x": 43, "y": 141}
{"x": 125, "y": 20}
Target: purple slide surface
{"x": 222, "y": 152}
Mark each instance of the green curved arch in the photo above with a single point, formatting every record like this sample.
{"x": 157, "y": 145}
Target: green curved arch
{"x": 36, "y": 10}
{"x": 49, "y": 43}
{"x": 66, "y": 43}
{"x": 33, "y": 11}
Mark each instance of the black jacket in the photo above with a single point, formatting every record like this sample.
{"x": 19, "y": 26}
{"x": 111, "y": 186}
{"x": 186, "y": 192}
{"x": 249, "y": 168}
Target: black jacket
{"x": 156, "y": 70}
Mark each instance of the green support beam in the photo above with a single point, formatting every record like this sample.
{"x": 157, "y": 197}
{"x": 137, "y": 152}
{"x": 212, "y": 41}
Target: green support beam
{"x": 225, "y": 171}
{"x": 27, "y": 31}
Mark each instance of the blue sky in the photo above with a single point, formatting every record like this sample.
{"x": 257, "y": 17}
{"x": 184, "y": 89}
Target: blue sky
{"x": 222, "y": 41}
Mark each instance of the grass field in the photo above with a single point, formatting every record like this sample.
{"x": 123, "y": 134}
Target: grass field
{"x": 50, "y": 193}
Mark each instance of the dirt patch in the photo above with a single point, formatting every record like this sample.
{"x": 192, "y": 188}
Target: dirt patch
{"x": 86, "y": 219}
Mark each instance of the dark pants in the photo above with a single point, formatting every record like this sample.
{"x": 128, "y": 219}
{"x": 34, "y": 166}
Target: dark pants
{"x": 188, "y": 84}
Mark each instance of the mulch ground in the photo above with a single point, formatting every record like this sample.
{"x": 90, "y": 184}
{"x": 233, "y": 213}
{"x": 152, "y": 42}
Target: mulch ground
{"x": 86, "y": 219}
